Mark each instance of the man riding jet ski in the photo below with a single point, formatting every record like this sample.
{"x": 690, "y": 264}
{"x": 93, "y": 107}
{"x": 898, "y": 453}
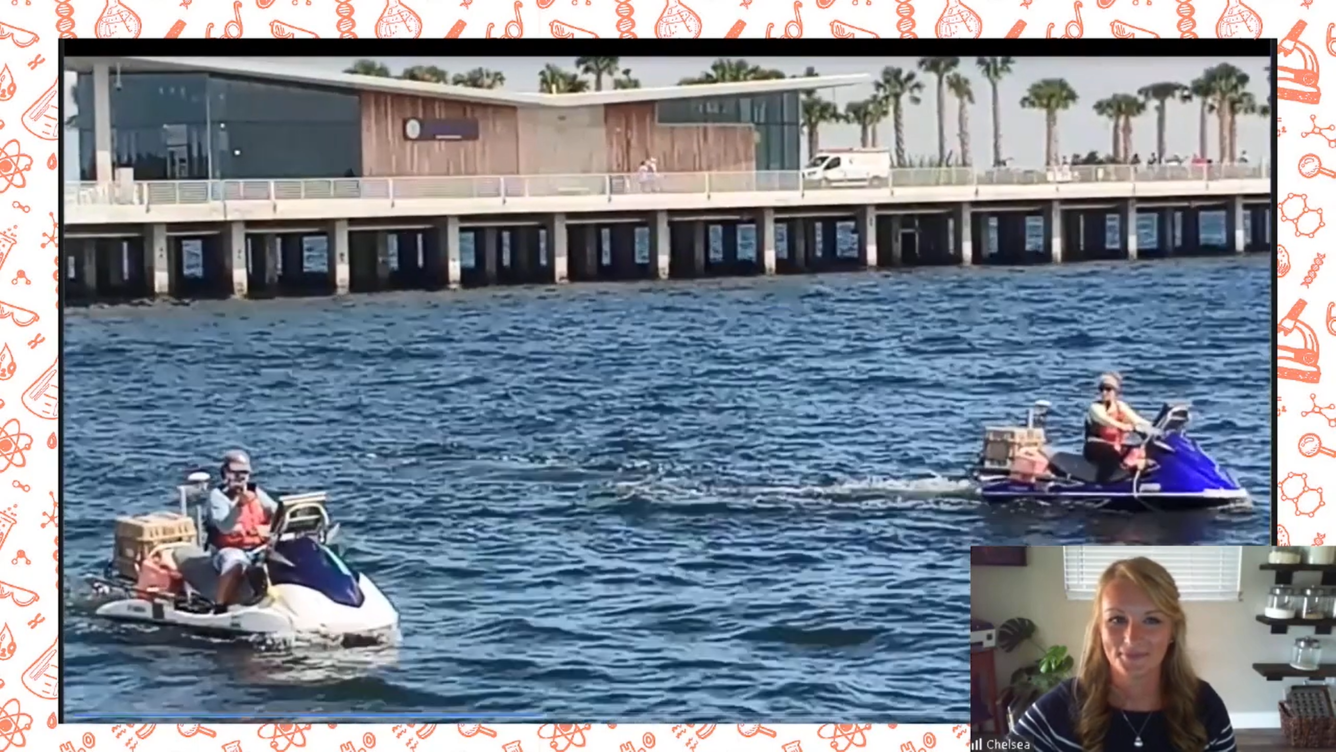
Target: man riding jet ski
{"x": 272, "y": 568}
{"x": 240, "y": 515}
{"x": 1165, "y": 470}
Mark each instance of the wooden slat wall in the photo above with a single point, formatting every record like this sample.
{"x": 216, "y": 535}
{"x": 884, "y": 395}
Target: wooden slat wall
{"x": 633, "y": 135}
{"x": 566, "y": 141}
{"x": 385, "y": 152}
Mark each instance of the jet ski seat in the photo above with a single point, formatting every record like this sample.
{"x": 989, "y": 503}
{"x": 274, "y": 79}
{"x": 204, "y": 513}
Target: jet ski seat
{"x": 1079, "y": 468}
{"x": 196, "y": 567}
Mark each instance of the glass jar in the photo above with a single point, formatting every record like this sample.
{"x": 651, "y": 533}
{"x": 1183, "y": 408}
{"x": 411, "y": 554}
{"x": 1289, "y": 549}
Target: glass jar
{"x": 1320, "y": 554}
{"x": 1307, "y": 654}
{"x": 1280, "y": 603}
{"x": 1313, "y": 603}
{"x": 1284, "y": 555}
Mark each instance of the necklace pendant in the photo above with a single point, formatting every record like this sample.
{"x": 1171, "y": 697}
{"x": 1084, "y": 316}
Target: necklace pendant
{"x": 1138, "y": 743}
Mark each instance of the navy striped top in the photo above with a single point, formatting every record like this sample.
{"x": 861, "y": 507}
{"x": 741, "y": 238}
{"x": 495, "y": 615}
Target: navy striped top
{"x": 1050, "y": 724}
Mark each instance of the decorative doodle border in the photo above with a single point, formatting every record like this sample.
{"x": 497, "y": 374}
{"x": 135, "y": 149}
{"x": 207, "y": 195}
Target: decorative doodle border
{"x": 29, "y": 357}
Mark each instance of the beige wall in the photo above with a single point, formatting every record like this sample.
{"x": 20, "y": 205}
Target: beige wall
{"x": 565, "y": 141}
{"x": 1224, "y": 638}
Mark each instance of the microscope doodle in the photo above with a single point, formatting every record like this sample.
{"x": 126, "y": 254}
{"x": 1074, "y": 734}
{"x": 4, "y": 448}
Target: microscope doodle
{"x": 1297, "y": 84}
{"x": 1298, "y": 363}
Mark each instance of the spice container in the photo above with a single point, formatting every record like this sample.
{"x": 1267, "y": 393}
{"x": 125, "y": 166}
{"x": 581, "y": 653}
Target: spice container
{"x": 1320, "y": 554}
{"x": 1307, "y": 654}
{"x": 1284, "y": 555}
{"x": 1313, "y": 603}
{"x": 1280, "y": 603}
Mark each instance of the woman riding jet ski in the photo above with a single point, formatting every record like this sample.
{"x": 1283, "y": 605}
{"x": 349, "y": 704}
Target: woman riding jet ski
{"x": 1167, "y": 470}
{"x": 1108, "y": 424}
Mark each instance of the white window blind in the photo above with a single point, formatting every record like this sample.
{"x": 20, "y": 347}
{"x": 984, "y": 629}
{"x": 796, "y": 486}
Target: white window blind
{"x": 1202, "y": 573}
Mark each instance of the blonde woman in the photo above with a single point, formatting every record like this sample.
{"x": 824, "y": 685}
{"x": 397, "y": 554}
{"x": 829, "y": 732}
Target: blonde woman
{"x": 1109, "y": 421}
{"x": 1135, "y": 690}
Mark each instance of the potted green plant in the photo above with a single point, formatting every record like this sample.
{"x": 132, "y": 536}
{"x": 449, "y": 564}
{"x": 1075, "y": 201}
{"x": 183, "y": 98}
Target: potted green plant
{"x": 1031, "y": 681}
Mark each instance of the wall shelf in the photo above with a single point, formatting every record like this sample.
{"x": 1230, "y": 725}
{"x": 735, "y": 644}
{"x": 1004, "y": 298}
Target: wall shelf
{"x": 1281, "y": 626}
{"x": 1278, "y": 671}
{"x": 1285, "y": 572}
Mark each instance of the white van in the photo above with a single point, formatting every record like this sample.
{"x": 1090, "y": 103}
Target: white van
{"x": 849, "y": 167}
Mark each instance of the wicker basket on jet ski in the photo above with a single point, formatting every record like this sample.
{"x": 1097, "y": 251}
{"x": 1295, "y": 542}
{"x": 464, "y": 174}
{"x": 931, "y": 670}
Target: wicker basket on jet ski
{"x": 162, "y": 573}
{"x": 1016, "y": 463}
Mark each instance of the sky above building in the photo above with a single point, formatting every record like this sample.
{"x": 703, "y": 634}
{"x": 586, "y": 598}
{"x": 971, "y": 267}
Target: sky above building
{"x": 1080, "y": 129}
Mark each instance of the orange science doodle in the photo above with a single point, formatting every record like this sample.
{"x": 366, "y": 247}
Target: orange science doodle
{"x": 564, "y": 736}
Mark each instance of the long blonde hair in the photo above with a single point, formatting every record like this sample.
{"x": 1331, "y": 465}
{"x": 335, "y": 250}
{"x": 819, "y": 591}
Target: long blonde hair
{"x": 1179, "y": 684}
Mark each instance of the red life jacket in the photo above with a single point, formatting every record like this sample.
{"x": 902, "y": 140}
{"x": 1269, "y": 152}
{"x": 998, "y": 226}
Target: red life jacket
{"x": 251, "y": 515}
{"x": 1109, "y": 434}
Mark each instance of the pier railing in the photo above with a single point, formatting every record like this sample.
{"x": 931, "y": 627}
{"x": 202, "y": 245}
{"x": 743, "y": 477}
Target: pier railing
{"x": 188, "y": 192}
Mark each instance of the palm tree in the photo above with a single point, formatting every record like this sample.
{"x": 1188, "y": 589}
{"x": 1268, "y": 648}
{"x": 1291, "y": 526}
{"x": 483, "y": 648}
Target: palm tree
{"x": 725, "y": 70}
{"x": 817, "y": 111}
{"x": 480, "y": 78}
{"x": 1105, "y": 108}
{"x": 1244, "y": 103}
{"x": 994, "y": 68}
{"x": 1127, "y": 107}
{"x": 625, "y": 80}
{"x": 1160, "y": 94}
{"x": 964, "y": 94}
{"x": 1202, "y": 90}
{"x": 1051, "y": 95}
{"x": 1227, "y": 83}
{"x": 896, "y": 85}
{"x": 426, "y": 73}
{"x": 598, "y": 67}
{"x": 368, "y": 68}
{"x": 940, "y": 67}
{"x": 864, "y": 115}
{"x": 554, "y": 80}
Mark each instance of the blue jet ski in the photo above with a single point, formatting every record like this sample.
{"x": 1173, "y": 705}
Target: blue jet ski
{"x": 1179, "y": 474}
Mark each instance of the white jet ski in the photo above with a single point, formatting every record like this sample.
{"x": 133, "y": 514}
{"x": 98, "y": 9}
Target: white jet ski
{"x": 298, "y": 584}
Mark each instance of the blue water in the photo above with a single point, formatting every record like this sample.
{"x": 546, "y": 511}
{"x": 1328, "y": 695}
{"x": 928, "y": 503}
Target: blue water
{"x": 643, "y": 501}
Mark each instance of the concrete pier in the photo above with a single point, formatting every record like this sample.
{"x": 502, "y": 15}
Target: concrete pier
{"x": 122, "y": 252}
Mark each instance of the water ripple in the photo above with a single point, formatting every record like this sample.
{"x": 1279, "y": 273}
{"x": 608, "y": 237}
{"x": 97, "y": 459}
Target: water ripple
{"x": 643, "y": 502}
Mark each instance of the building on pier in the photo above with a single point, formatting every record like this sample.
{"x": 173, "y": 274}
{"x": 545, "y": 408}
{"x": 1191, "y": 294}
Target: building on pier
{"x": 247, "y": 162}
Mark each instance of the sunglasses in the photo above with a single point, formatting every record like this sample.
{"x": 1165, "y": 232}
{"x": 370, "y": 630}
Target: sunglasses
{"x": 238, "y": 473}
{"x": 1107, "y": 388}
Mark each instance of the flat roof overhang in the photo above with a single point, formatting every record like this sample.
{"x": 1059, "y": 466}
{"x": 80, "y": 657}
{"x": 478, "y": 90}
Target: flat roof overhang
{"x": 277, "y": 71}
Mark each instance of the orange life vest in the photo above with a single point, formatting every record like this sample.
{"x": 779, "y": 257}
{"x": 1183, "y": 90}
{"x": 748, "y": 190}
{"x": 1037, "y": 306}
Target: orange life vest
{"x": 1108, "y": 434}
{"x": 251, "y": 515}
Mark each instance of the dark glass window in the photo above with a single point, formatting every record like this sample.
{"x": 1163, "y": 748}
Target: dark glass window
{"x": 158, "y": 125}
{"x": 194, "y": 127}
{"x": 270, "y": 130}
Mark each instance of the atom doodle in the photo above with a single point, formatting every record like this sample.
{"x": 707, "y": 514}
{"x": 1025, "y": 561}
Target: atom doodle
{"x": 284, "y": 736}
{"x": 1295, "y": 489}
{"x": 13, "y": 163}
{"x": 13, "y": 444}
{"x": 842, "y": 736}
{"x": 1321, "y": 410}
{"x": 563, "y": 736}
{"x": 13, "y": 722}
{"x": 1294, "y": 209}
